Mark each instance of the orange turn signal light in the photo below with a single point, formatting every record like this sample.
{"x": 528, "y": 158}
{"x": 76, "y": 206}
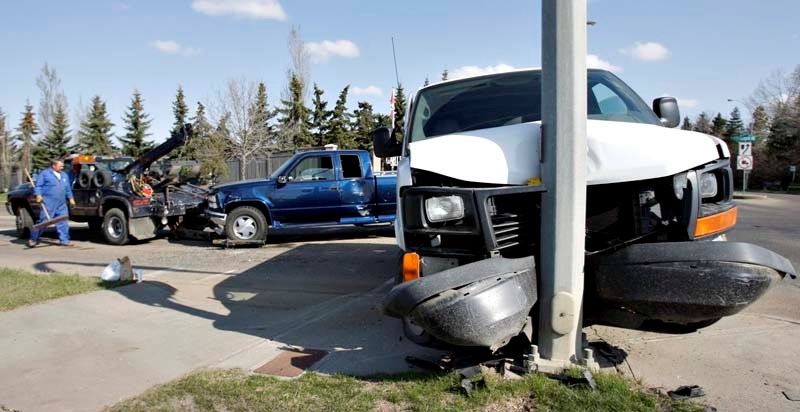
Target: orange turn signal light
{"x": 716, "y": 223}
{"x": 410, "y": 267}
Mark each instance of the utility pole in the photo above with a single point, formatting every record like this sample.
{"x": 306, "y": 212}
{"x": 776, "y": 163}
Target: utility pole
{"x": 564, "y": 94}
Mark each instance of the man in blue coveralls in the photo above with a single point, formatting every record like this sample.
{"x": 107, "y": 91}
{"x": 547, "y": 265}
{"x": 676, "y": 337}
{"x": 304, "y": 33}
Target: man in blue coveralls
{"x": 53, "y": 188}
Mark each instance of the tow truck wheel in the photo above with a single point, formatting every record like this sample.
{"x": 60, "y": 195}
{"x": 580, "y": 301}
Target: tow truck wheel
{"x": 24, "y": 221}
{"x": 246, "y": 223}
{"x": 115, "y": 227}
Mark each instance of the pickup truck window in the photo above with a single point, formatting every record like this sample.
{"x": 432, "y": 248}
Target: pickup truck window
{"x": 351, "y": 166}
{"x": 512, "y": 98}
{"x": 313, "y": 168}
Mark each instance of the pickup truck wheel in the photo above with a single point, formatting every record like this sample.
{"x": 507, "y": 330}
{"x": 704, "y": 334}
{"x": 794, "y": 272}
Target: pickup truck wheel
{"x": 115, "y": 227}
{"x": 24, "y": 221}
{"x": 246, "y": 223}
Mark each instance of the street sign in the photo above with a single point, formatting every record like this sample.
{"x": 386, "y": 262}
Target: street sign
{"x": 744, "y": 162}
{"x": 743, "y": 138}
{"x": 745, "y": 149}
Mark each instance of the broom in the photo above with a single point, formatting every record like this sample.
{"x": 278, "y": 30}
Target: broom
{"x": 48, "y": 222}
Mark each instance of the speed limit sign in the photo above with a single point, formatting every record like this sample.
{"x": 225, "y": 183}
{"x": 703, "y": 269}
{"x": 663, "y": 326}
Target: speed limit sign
{"x": 744, "y": 162}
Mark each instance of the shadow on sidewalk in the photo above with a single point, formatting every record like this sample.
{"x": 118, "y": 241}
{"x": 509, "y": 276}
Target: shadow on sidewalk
{"x": 316, "y": 296}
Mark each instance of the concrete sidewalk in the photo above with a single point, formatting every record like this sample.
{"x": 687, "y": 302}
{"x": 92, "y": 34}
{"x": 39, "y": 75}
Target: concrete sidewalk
{"x": 84, "y": 352}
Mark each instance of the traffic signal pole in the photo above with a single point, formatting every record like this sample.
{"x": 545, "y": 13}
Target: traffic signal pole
{"x": 564, "y": 94}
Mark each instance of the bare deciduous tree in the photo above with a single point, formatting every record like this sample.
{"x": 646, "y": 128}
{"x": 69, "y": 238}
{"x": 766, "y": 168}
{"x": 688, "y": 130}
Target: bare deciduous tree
{"x": 247, "y": 134}
{"x": 52, "y": 96}
{"x": 300, "y": 67}
{"x": 776, "y": 91}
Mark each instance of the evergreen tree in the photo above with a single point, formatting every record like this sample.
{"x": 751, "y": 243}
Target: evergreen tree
{"x": 320, "y": 118}
{"x": 427, "y": 82}
{"x": 340, "y": 133}
{"x": 702, "y": 124}
{"x": 687, "y": 124}
{"x": 136, "y": 125}
{"x": 261, "y": 116}
{"x": 27, "y": 130}
{"x": 444, "y": 74}
{"x": 782, "y": 134}
{"x": 760, "y": 124}
{"x": 95, "y": 134}
{"x": 719, "y": 126}
{"x": 180, "y": 110}
{"x": 294, "y": 120}
{"x": 207, "y": 145}
{"x": 399, "y": 113}
{"x": 735, "y": 126}
{"x": 7, "y": 152}
{"x": 364, "y": 123}
{"x": 55, "y": 144}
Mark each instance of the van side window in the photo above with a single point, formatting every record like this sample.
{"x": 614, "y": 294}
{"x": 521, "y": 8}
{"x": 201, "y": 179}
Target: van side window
{"x": 351, "y": 166}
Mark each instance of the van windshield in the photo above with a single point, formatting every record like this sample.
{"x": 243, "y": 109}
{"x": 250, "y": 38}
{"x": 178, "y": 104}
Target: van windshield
{"x": 512, "y": 98}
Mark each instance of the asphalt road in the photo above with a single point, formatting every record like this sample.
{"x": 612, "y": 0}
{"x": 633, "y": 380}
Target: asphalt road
{"x": 773, "y": 223}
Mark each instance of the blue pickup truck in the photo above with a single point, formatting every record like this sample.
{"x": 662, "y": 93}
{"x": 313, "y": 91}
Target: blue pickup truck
{"x": 324, "y": 187}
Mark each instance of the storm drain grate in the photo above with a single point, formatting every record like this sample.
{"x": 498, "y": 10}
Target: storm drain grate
{"x": 291, "y": 362}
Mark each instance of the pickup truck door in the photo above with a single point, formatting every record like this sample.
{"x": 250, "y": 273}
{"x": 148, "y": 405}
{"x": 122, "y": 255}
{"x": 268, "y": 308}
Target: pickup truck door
{"x": 311, "y": 193}
{"x": 356, "y": 186}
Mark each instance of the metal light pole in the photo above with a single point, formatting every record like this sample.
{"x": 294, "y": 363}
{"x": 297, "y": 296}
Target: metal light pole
{"x": 564, "y": 174}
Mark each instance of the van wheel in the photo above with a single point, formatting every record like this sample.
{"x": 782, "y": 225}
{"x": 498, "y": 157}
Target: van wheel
{"x": 246, "y": 223}
{"x": 115, "y": 227}
{"x": 24, "y": 222}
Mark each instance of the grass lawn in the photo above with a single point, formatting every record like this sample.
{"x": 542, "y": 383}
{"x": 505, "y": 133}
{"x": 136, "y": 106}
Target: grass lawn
{"x": 235, "y": 390}
{"x": 3, "y": 197}
{"x": 20, "y": 288}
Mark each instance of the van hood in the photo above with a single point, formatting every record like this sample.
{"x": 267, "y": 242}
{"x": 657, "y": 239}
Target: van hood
{"x": 617, "y": 152}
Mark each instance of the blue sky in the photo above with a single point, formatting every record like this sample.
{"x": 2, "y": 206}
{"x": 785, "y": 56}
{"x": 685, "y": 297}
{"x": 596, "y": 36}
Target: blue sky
{"x": 701, "y": 51}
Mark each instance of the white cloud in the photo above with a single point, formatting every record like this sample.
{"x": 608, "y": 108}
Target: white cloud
{"x": 594, "y": 61}
{"x": 324, "y": 50}
{"x": 469, "y": 71}
{"x": 173, "y": 47}
{"x": 367, "y": 91}
{"x": 253, "y": 9}
{"x": 647, "y": 52}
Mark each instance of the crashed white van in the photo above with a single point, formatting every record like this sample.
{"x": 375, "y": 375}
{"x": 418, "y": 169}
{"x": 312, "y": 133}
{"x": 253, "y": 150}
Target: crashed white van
{"x": 659, "y": 201}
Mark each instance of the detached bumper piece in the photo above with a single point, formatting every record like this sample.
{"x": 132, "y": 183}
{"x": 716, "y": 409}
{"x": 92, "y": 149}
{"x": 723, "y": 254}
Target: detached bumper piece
{"x": 482, "y": 304}
{"x": 679, "y": 287}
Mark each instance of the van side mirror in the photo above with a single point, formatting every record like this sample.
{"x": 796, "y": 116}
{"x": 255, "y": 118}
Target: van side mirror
{"x": 666, "y": 108}
{"x": 384, "y": 144}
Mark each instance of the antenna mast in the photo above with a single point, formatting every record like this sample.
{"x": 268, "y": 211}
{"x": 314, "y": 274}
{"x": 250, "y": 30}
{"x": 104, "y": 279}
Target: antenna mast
{"x": 394, "y": 54}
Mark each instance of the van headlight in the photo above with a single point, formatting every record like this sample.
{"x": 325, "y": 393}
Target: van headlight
{"x": 444, "y": 208}
{"x": 708, "y": 185}
{"x": 679, "y": 183}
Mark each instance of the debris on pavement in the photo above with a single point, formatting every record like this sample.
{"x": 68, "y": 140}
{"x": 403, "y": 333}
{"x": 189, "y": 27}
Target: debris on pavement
{"x": 587, "y": 379}
{"x": 425, "y": 364}
{"x": 687, "y": 392}
{"x": 121, "y": 270}
{"x": 468, "y": 381}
